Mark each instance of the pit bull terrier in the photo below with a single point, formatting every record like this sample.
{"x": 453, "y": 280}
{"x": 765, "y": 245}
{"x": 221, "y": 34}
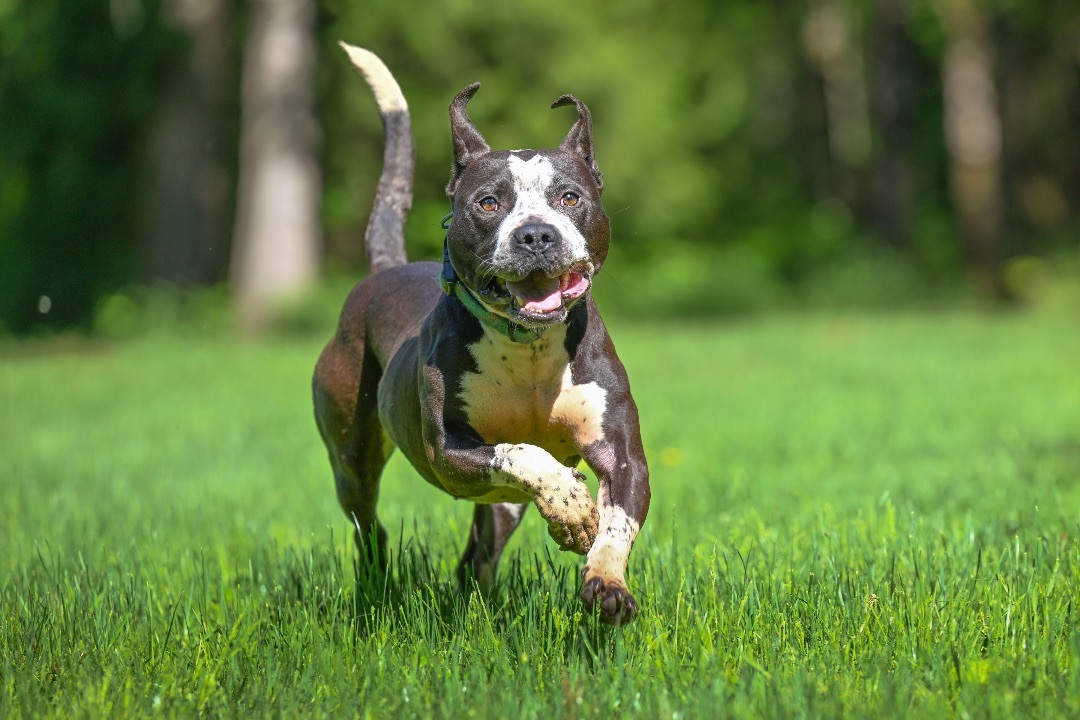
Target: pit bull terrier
{"x": 491, "y": 372}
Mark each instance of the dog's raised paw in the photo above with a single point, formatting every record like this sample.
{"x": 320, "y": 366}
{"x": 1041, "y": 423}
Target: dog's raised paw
{"x": 575, "y": 538}
{"x": 616, "y": 605}
{"x": 572, "y": 517}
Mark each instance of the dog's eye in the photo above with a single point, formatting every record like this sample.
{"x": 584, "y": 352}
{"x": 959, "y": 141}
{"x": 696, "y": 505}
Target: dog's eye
{"x": 570, "y": 199}
{"x": 489, "y": 204}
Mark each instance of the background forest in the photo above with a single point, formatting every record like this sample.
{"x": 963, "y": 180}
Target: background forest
{"x": 756, "y": 153}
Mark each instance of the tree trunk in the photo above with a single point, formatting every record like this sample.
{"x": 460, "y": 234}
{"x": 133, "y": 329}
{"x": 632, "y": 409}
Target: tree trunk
{"x": 275, "y": 246}
{"x": 973, "y": 138}
{"x": 893, "y": 102}
{"x": 191, "y": 194}
{"x": 829, "y": 39}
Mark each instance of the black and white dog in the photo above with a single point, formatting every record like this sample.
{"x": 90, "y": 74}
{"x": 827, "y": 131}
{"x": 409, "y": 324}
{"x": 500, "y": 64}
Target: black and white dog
{"x": 492, "y": 372}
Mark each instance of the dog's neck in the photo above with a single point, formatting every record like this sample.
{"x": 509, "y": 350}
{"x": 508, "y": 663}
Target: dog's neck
{"x": 489, "y": 318}
{"x": 501, "y": 324}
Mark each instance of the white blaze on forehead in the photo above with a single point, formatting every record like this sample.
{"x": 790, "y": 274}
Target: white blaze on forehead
{"x": 533, "y": 180}
{"x": 532, "y": 176}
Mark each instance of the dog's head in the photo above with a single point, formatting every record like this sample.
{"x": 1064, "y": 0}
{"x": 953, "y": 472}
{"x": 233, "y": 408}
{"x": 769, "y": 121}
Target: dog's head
{"x": 528, "y": 231}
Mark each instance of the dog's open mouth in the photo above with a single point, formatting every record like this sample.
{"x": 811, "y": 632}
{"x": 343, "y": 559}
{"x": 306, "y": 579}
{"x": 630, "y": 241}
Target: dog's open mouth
{"x": 539, "y": 297}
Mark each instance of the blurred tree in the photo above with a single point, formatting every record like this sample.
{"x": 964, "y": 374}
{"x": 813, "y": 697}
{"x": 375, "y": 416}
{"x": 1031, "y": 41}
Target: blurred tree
{"x": 77, "y": 87}
{"x": 832, "y": 43}
{"x": 277, "y": 239}
{"x": 190, "y": 153}
{"x": 973, "y": 136}
{"x": 752, "y": 150}
{"x": 1039, "y": 65}
{"x": 894, "y": 102}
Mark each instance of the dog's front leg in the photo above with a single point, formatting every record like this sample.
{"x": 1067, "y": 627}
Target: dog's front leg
{"x": 470, "y": 469}
{"x": 559, "y": 493}
{"x": 623, "y": 500}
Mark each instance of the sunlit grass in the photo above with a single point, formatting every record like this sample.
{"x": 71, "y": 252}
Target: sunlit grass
{"x": 852, "y": 515}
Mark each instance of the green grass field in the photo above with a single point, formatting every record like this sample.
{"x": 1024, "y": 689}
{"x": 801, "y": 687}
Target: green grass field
{"x": 853, "y": 515}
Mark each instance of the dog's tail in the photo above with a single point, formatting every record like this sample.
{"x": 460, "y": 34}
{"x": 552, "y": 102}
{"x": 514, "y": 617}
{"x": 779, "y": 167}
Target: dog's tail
{"x": 384, "y": 240}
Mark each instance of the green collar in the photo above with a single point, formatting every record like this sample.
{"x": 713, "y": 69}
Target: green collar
{"x": 488, "y": 318}
{"x": 480, "y": 311}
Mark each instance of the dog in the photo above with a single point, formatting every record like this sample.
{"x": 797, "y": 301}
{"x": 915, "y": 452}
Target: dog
{"x": 492, "y": 372}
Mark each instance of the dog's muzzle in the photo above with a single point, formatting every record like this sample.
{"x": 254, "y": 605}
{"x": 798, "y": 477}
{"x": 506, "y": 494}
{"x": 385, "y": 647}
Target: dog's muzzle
{"x": 539, "y": 296}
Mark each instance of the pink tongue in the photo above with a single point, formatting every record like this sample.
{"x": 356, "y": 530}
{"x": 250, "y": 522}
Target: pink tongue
{"x": 536, "y": 293}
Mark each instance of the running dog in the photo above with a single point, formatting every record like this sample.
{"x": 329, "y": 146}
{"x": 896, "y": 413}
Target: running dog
{"x": 492, "y": 372}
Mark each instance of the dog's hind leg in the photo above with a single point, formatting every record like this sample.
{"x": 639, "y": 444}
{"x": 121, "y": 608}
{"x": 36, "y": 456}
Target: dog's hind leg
{"x": 491, "y": 528}
{"x": 346, "y": 409}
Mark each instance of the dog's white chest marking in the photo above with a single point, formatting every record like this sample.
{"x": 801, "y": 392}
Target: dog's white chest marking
{"x": 524, "y": 393}
{"x": 533, "y": 182}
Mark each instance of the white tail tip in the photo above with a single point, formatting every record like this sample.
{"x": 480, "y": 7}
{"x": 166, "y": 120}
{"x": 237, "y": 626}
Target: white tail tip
{"x": 387, "y": 92}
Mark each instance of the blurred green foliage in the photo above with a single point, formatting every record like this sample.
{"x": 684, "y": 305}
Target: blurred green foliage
{"x": 726, "y": 190}
{"x": 685, "y": 107}
{"x": 77, "y": 96}
{"x": 711, "y": 129}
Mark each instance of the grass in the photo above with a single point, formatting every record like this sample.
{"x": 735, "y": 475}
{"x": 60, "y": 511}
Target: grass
{"x": 853, "y": 515}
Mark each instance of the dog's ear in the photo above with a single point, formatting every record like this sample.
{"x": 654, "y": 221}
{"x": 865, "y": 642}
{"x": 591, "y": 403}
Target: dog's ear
{"x": 579, "y": 139}
{"x": 468, "y": 142}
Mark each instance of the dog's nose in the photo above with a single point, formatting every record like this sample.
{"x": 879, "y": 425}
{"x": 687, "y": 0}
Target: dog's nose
{"x": 535, "y": 236}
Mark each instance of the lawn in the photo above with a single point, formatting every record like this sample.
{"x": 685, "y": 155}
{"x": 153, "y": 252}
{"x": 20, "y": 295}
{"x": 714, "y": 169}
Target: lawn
{"x": 860, "y": 515}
